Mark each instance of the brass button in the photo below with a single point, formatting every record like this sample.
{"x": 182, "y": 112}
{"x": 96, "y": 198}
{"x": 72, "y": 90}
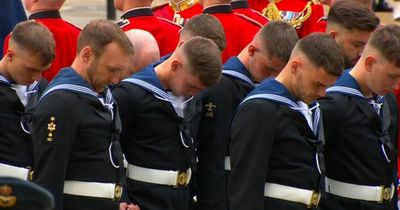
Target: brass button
{"x": 182, "y": 178}
{"x": 118, "y": 192}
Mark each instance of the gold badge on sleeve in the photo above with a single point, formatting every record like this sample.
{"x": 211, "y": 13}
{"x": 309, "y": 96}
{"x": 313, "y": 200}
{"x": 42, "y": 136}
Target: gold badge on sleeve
{"x": 51, "y": 127}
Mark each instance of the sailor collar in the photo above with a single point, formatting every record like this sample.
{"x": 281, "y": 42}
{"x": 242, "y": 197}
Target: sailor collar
{"x": 67, "y": 79}
{"x": 30, "y": 88}
{"x": 347, "y": 85}
{"x": 147, "y": 79}
{"x": 235, "y": 68}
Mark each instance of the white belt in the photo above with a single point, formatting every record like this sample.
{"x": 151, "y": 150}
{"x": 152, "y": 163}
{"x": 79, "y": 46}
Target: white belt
{"x": 155, "y": 176}
{"x": 14, "y": 171}
{"x": 227, "y": 163}
{"x": 359, "y": 192}
{"x": 93, "y": 189}
{"x": 283, "y": 192}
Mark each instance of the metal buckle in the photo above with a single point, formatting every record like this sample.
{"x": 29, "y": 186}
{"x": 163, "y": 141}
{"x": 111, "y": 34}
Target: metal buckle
{"x": 386, "y": 194}
{"x": 315, "y": 198}
{"x": 181, "y": 179}
{"x": 117, "y": 192}
{"x": 30, "y": 174}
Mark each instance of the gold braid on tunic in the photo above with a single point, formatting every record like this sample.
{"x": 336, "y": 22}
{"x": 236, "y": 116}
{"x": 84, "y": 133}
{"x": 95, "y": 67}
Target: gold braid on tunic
{"x": 272, "y": 13}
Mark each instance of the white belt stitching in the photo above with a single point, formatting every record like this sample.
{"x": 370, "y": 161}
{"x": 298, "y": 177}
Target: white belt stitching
{"x": 92, "y": 189}
{"x": 14, "y": 171}
{"x": 294, "y": 194}
{"x": 359, "y": 192}
{"x": 156, "y": 176}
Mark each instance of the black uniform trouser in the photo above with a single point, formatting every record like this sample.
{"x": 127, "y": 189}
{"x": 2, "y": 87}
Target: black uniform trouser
{"x": 333, "y": 202}
{"x": 272, "y": 204}
{"x": 72, "y": 202}
{"x": 158, "y": 197}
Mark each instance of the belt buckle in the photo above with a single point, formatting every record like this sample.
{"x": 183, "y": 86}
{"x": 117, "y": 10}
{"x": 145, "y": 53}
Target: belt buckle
{"x": 181, "y": 179}
{"x": 30, "y": 174}
{"x": 315, "y": 197}
{"x": 117, "y": 192}
{"x": 386, "y": 194}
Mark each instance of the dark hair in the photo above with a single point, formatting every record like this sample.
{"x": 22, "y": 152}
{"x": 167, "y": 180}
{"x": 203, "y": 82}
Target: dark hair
{"x": 278, "y": 38}
{"x": 206, "y": 26}
{"x": 352, "y": 15}
{"x": 35, "y": 38}
{"x": 204, "y": 58}
{"x": 323, "y": 52}
{"x": 387, "y": 41}
{"x": 100, "y": 33}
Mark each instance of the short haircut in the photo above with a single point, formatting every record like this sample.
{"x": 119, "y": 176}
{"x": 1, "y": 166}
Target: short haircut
{"x": 278, "y": 39}
{"x": 35, "y": 39}
{"x": 146, "y": 48}
{"x": 206, "y": 26}
{"x": 366, "y": 3}
{"x": 100, "y": 33}
{"x": 323, "y": 52}
{"x": 204, "y": 58}
{"x": 352, "y": 15}
{"x": 386, "y": 40}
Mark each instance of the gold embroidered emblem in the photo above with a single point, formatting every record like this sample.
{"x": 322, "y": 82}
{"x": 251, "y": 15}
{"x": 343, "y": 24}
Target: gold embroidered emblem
{"x": 7, "y": 200}
{"x": 51, "y": 127}
{"x": 210, "y": 108}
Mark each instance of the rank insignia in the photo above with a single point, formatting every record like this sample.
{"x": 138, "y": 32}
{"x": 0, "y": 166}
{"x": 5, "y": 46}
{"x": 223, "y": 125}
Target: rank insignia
{"x": 51, "y": 127}
{"x": 210, "y": 109}
{"x": 123, "y": 23}
{"x": 7, "y": 200}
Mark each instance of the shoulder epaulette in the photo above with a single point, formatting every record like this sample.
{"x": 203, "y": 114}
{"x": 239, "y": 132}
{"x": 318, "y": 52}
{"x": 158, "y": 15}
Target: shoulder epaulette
{"x": 249, "y": 19}
{"x": 73, "y": 25}
{"x": 323, "y": 18}
{"x": 168, "y": 21}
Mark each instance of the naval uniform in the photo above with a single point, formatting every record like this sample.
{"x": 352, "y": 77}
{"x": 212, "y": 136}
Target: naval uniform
{"x": 242, "y": 7}
{"x": 16, "y": 104}
{"x": 360, "y": 150}
{"x": 75, "y": 140}
{"x": 156, "y": 141}
{"x": 218, "y": 105}
{"x": 239, "y": 29}
{"x": 65, "y": 36}
{"x": 276, "y": 151}
{"x": 304, "y": 13}
{"x": 164, "y": 31}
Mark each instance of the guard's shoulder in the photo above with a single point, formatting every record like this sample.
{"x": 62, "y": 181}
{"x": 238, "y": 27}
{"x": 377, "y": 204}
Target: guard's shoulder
{"x": 249, "y": 20}
{"x": 169, "y": 22}
{"x": 73, "y": 25}
{"x": 122, "y": 23}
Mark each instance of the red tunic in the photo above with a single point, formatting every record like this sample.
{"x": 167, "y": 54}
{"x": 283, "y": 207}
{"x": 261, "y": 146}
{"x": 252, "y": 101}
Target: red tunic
{"x": 164, "y": 31}
{"x": 165, "y": 11}
{"x": 320, "y": 25}
{"x": 242, "y": 7}
{"x": 239, "y": 29}
{"x": 397, "y": 93}
{"x": 291, "y": 9}
{"x": 65, "y": 36}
